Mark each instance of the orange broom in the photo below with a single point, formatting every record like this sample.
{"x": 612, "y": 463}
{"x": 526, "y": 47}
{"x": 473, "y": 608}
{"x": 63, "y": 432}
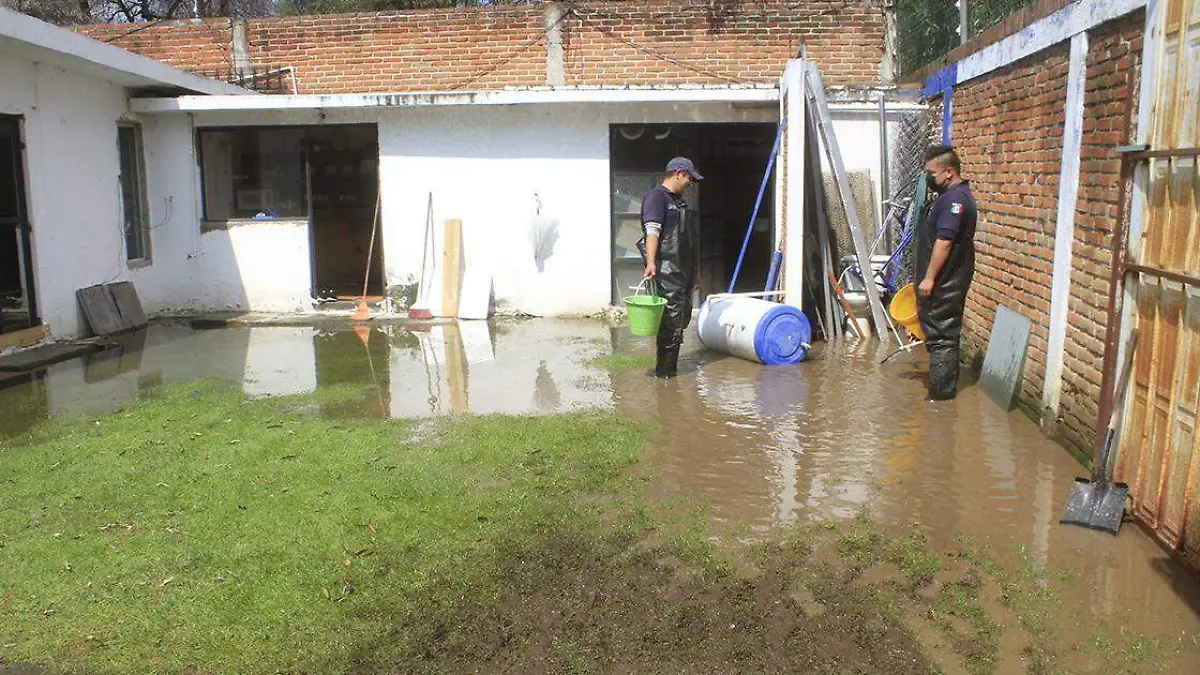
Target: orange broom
{"x": 361, "y": 313}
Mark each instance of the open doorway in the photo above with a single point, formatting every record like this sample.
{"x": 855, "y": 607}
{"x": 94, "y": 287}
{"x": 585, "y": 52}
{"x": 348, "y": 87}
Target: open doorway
{"x": 344, "y": 184}
{"x": 18, "y": 306}
{"x": 733, "y": 158}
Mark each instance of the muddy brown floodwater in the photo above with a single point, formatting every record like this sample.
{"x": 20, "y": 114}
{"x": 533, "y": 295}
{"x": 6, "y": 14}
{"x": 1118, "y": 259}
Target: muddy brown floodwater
{"x": 841, "y": 435}
{"x": 764, "y": 447}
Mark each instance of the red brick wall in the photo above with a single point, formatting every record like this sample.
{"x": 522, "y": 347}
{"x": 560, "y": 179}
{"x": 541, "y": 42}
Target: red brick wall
{"x": 1008, "y": 128}
{"x": 752, "y": 45}
{"x": 1114, "y": 54}
{"x": 614, "y": 43}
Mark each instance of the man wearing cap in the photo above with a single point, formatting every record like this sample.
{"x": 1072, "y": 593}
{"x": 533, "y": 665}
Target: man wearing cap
{"x": 942, "y": 293}
{"x": 670, "y": 247}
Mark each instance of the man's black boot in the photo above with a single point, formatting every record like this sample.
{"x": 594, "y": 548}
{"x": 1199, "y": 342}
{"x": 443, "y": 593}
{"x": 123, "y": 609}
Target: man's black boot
{"x": 671, "y": 362}
{"x": 943, "y": 374}
{"x": 661, "y": 360}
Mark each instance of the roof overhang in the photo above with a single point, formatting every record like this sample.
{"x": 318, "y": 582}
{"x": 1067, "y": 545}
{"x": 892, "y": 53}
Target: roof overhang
{"x": 745, "y": 95}
{"x": 34, "y": 40}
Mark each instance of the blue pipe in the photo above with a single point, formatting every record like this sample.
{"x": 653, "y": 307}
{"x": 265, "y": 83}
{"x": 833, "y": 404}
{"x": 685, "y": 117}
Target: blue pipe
{"x": 772, "y": 276}
{"x": 757, "y": 203}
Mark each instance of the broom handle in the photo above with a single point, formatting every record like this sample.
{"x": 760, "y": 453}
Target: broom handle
{"x": 371, "y": 248}
{"x": 845, "y": 305}
{"x": 1101, "y": 469}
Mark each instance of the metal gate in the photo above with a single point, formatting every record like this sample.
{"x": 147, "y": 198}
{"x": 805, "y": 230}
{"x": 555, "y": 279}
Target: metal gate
{"x": 1160, "y": 446}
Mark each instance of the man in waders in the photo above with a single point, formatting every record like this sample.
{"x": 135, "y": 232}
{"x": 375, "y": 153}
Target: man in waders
{"x": 670, "y": 247}
{"x": 942, "y": 293}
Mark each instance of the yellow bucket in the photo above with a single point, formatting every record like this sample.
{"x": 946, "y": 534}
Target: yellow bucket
{"x": 904, "y": 310}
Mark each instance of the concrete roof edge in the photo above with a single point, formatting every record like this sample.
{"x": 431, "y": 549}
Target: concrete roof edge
{"x": 20, "y": 28}
{"x": 465, "y": 98}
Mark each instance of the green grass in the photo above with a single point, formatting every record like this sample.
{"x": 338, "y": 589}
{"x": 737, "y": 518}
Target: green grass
{"x": 200, "y": 528}
{"x": 623, "y": 361}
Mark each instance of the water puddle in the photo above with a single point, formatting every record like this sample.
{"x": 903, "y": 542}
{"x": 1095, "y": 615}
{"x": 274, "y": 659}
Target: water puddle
{"x": 514, "y": 368}
{"x": 766, "y": 447}
{"x": 842, "y": 435}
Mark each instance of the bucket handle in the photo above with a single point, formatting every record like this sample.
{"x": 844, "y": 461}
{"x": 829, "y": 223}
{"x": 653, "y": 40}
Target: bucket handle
{"x": 638, "y": 289}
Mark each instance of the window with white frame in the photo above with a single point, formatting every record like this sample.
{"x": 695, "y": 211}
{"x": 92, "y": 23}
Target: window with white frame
{"x": 134, "y": 216}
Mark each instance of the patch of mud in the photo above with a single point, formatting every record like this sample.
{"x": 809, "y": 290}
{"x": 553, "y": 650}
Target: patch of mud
{"x": 578, "y": 603}
{"x": 20, "y": 669}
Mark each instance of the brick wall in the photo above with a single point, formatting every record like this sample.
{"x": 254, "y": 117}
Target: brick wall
{"x": 1113, "y": 67}
{"x": 613, "y": 43}
{"x": 1008, "y": 128}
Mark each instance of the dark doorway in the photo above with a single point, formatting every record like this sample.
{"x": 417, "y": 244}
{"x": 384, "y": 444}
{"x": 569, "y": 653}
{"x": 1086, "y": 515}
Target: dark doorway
{"x": 344, "y": 175}
{"x": 18, "y": 307}
{"x": 733, "y": 158}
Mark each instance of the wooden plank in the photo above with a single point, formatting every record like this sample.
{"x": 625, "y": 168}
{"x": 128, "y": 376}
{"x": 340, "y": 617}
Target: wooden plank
{"x": 25, "y": 337}
{"x": 456, "y": 368}
{"x": 101, "y": 311}
{"x": 40, "y": 357}
{"x": 845, "y": 305}
{"x": 816, "y": 93}
{"x": 451, "y": 268}
{"x": 117, "y": 355}
{"x": 1004, "y": 362}
{"x": 128, "y": 304}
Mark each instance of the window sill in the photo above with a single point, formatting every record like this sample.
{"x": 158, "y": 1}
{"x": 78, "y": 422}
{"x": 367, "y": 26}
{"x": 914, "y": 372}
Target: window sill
{"x": 218, "y": 225}
{"x": 138, "y": 263}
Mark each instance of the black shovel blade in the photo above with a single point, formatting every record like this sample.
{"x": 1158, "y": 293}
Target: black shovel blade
{"x": 1098, "y": 505}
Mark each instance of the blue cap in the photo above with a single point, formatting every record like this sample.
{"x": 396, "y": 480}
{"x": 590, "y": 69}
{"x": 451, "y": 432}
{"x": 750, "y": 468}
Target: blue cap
{"x": 684, "y": 164}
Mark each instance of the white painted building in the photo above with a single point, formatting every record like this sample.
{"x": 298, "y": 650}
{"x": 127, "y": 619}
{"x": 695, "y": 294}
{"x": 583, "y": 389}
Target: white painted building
{"x": 261, "y": 202}
{"x": 64, "y": 112}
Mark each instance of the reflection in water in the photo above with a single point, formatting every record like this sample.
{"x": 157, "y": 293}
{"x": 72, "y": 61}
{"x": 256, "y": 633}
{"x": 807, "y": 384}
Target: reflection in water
{"x": 764, "y": 446}
{"x": 468, "y": 366}
{"x": 841, "y": 434}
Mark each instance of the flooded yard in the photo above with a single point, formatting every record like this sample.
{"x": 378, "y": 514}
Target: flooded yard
{"x": 938, "y": 523}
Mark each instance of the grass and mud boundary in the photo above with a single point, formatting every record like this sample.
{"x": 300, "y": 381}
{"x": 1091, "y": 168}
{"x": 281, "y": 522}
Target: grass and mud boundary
{"x": 205, "y": 532}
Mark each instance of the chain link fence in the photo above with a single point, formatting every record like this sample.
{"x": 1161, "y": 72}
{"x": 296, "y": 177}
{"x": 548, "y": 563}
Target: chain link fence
{"x": 927, "y": 30}
{"x": 906, "y": 167}
{"x": 983, "y": 14}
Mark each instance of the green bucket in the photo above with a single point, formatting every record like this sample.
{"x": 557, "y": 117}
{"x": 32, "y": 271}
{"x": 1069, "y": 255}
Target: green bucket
{"x": 645, "y": 313}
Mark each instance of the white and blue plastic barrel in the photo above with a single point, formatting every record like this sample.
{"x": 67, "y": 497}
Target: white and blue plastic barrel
{"x": 754, "y": 329}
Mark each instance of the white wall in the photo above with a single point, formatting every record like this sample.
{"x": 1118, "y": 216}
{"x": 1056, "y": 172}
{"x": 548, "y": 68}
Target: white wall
{"x": 499, "y": 169}
{"x": 72, "y": 178}
{"x": 262, "y": 266}
{"x": 494, "y": 169}
{"x": 72, "y": 168}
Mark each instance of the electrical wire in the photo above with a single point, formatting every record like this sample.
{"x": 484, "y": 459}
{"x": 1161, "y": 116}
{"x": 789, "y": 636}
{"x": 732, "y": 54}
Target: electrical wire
{"x": 219, "y": 42}
{"x": 147, "y": 25}
{"x": 514, "y": 53}
{"x": 656, "y": 54}
{"x": 217, "y": 38}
